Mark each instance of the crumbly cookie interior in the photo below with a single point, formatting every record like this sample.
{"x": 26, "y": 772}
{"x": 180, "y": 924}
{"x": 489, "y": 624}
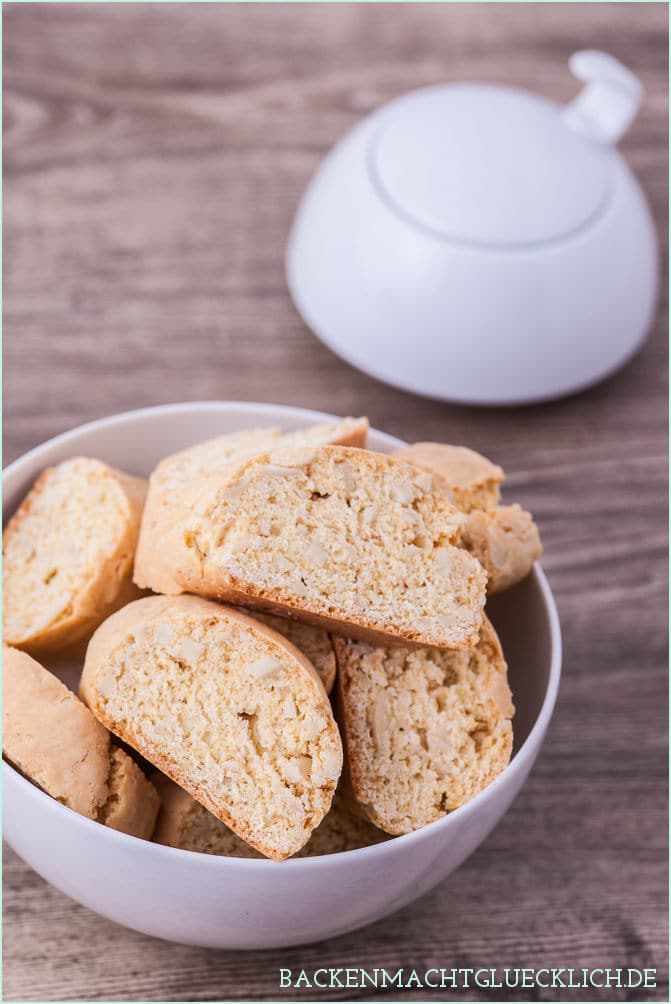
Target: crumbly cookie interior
{"x": 232, "y": 718}
{"x": 348, "y": 533}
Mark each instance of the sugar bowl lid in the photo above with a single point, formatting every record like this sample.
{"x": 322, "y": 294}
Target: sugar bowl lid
{"x": 501, "y": 167}
{"x": 482, "y": 244}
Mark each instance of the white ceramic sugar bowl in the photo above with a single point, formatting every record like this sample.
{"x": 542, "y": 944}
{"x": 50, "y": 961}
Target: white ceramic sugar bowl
{"x": 482, "y": 244}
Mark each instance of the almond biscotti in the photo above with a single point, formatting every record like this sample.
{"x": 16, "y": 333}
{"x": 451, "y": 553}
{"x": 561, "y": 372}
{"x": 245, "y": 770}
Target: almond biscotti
{"x": 165, "y": 510}
{"x": 506, "y": 542}
{"x": 345, "y": 432}
{"x": 184, "y": 822}
{"x": 504, "y": 539}
{"x": 342, "y": 831}
{"x": 226, "y": 707}
{"x": 346, "y": 538}
{"x": 213, "y": 454}
{"x": 54, "y": 740}
{"x": 474, "y": 481}
{"x": 170, "y": 487}
{"x": 68, "y": 554}
{"x": 424, "y": 730}
{"x": 313, "y": 642}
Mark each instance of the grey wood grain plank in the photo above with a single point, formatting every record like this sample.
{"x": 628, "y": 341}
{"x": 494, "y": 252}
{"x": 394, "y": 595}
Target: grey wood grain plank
{"x": 153, "y": 157}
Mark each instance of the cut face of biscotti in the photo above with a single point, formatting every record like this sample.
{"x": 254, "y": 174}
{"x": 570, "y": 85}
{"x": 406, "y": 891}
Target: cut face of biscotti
{"x": 184, "y": 822}
{"x": 171, "y": 484}
{"x": 226, "y": 707}
{"x": 68, "y": 554}
{"x": 425, "y": 730}
{"x": 313, "y": 642}
{"x": 342, "y": 537}
{"x": 506, "y": 542}
{"x": 54, "y": 740}
{"x": 474, "y": 481}
{"x": 165, "y": 508}
{"x": 504, "y": 539}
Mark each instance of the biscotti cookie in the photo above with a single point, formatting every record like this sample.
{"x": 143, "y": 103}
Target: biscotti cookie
{"x": 474, "y": 481}
{"x": 506, "y": 542}
{"x": 346, "y": 432}
{"x": 168, "y": 498}
{"x": 342, "y": 831}
{"x": 226, "y": 707}
{"x": 313, "y": 642}
{"x": 164, "y": 508}
{"x": 341, "y": 537}
{"x": 213, "y": 454}
{"x": 54, "y": 740}
{"x": 68, "y": 554}
{"x": 190, "y": 463}
{"x": 504, "y": 539}
{"x": 132, "y": 804}
{"x": 424, "y": 730}
{"x": 184, "y": 822}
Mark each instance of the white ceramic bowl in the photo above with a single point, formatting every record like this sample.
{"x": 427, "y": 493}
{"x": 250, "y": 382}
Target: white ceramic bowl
{"x": 234, "y": 903}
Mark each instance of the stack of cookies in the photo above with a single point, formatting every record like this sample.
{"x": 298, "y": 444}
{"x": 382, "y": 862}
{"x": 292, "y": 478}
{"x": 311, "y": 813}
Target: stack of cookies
{"x": 287, "y": 651}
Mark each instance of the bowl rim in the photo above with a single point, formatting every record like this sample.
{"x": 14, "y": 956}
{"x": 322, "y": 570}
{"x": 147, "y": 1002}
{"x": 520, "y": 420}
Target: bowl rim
{"x": 215, "y": 861}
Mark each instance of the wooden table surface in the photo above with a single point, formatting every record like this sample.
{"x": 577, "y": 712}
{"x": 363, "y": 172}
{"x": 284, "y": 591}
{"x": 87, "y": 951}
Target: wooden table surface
{"x": 153, "y": 157}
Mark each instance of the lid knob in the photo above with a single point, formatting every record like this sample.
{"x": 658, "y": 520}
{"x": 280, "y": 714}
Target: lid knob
{"x": 607, "y": 106}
